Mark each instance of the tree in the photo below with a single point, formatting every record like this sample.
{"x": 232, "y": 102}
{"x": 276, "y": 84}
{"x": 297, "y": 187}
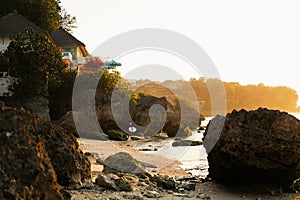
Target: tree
{"x": 113, "y": 80}
{"x": 93, "y": 64}
{"x": 35, "y": 62}
{"x": 47, "y": 14}
{"x": 67, "y": 22}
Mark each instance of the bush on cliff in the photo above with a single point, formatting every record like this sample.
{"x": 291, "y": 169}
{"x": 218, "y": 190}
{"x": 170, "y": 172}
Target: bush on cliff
{"x": 35, "y": 62}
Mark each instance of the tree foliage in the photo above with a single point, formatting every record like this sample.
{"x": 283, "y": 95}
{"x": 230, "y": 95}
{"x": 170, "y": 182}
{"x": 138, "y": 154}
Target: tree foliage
{"x": 47, "y": 14}
{"x": 249, "y": 97}
{"x": 35, "y": 62}
{"x": 93, "y": 64}
{"x": 67, "y": 22}
{"x": 44, "y": 13}
{"x": 111, "y": 81}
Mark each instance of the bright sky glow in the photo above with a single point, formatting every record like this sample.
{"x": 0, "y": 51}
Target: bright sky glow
{"x": 249, "y": 41}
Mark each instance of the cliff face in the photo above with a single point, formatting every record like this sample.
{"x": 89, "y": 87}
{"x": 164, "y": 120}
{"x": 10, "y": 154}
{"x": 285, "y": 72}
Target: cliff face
{"x": 30, "y": 163}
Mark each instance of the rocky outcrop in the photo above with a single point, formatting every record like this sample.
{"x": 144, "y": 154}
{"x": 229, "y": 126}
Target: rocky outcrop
{"x": 148, "y": 114}
{"x": 178, "y": 120}
{"x": 26, "y": 171}
{"x": 67, "y": 122}
{"x": 256, "y": 146}
{"x": 73, "y": 169}
{"x": 37, "y": 158}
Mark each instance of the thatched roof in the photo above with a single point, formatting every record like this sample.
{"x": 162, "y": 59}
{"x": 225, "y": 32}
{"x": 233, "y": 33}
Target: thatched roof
{"x": 64, "y": 39}
{"x": 15, "y": 23}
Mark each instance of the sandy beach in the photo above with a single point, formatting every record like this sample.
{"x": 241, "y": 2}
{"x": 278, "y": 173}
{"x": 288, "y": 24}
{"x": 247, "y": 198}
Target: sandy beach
{"x": 104, "y": 149}
{"x": 170, "y": 167}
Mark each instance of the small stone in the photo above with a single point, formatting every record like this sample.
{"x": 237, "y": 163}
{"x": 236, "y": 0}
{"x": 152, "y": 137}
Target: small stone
{"x": 152, "y": 194}
{"x": 181, "y": 195}
{"x": 132, "y": 197}
{"x": 189, "y": 186}
{"x": 203, "y": 196}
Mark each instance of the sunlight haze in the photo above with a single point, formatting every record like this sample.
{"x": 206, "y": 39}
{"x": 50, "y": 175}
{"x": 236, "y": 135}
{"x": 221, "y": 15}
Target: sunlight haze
{"x": 248, "y": 41}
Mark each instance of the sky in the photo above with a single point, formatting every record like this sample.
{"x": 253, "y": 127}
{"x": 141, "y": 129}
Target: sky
{"x": 250, "y": 42}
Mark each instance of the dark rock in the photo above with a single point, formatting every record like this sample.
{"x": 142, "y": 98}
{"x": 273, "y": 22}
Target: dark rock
{"x": 164, "y": 182}
{"x": 114, "y": 182}
{"x": 132, "y": 196}
{"x": 145, "y": 149}
{"x": 105, "y": 181}
{"x": 149, "y": 116}
{"x": 73, "y": 169}
{"x": 136, "y": 138}
{"x": 87, "y": 125}
{"x": 26, "y": 171}
{"x": 189, "y": 186}
{"x": 123, "y": 162}
{"x": 256, "y": 146}
{"x": 117, "y": 135}
{"x": 203, "y": 196}
{"x": 100, "y": 161}
{"x": 201, "y": 128}
{"x": 152, "y": 194}
{"x": 186, "y": 143}
{"x": 212, "y": 134}
{"x": 124, "y": 184}
{"x": 67, "y": 122}
{"x": 186, "y": 178}
{"x": 150, "y": 113}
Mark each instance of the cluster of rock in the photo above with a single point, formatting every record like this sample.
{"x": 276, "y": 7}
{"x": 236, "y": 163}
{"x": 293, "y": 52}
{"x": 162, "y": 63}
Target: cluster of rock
{"x": 123, "y": 173}
{"x": 38, "y": 158}
{"x": 260, "y": 146}
{"x": 148, "y": 119}
{"x": 115, "y": 114}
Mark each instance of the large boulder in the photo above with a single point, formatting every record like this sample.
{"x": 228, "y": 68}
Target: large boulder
{"x": 176, "y": 121}
{"x": 124, "y": 163}
{"x": 26, "y": 171}
{"x": 73, "y": 169}
{"x": 150, "y": 113}
{"x": 255, "y": 146}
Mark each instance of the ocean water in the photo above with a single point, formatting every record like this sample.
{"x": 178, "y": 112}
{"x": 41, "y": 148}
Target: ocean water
{"x": 193, "y": 158}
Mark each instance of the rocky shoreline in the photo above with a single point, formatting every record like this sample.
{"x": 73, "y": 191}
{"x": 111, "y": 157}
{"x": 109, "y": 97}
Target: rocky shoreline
{"x": 44, "y": 160}
{"x": 186, "y": 185}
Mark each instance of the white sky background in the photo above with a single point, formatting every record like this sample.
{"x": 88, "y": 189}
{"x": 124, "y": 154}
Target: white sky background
{"x": 255, "y": 41}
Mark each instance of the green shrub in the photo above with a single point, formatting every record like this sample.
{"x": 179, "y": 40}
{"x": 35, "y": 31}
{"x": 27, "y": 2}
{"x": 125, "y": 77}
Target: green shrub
{"x": 35, "y": 62}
